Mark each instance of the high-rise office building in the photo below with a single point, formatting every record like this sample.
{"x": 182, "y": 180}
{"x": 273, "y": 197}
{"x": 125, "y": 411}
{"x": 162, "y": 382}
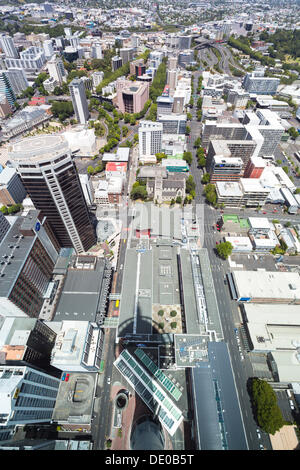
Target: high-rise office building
{"x": 126, "y": 54}
{"x": 135, "y": 41}
{"x": 137, "y": 68}
{"x": 265, "y": 127}
{"x": 6, "y": 88}
{"x": 48, "y": 48}
{"x": 131, "y": 96}
{"x": 8, "y": 47}
{"x": 172, "y": 78}
{"x": 216, "y": 129}
{"x": 116, "y": 63}
{"x": 96, "y": 51}
{"x": 150, "y": 138}
{"x": 27, "y": 342}
{"x": 97, "y": 78}
{"x": 27, "y": 395}
{"x": 79, "y": 100}
{"x": 173, "y": 123}
{"x": 31, "y": 60}
{"x": 12, "y": 190}
{"x": 255, "y": 82}
{"x": 49, "y": 174}
{"x": 28, "y": 253}
{"x": 4, "y": 226}
{"x": 56, "y": 70}
{"x": 17, "y": 79}
{"x": 172, "y": 62}
{"x": 184, "y": 42}
{"x": 185, "y": 58}
{"x": 243, "y": 149}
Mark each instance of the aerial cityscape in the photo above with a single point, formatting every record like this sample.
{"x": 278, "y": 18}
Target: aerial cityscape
{"x": 150, "y": 227}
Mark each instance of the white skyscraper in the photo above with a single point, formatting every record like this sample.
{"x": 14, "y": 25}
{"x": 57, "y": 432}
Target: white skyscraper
{"x": 8, "y": 47}
{"x": 17, "y": 79}
{"x": 48, "y": 48}
{"x": 96, "y": 51}
{"x": 79, "y": 100}
{"x": 26, "y": 395}
{"x": 56, "y": 70}
{"x": 97, "y": 78}
{"x": 150, "y": 139}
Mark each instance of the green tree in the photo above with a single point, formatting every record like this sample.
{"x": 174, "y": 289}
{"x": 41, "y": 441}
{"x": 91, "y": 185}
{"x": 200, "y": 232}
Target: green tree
{"x": 62, "y": 109}
{"x": 152, "y": 115}
{"x": 267, "y": 411}
{"x": 210, "y": 193}
{"x": 28, "y": 92}
{"x": 190, "y": 184}
{"x": 90, "y": 169}
{"x": 160, "y": 156}
{"x": 188, "y": 157}
{"x": 197, "y": 142}
{"x": 138, "y": 192}
{"x": 224, "y": 249}
{"x": 40, "y": 79}
{"x": 159, "y": 81}
{"x": 124, "y": 131}
{"x": 205, "y": 178}
{"x": 201, "y": 162}
{"x": 293, "y": 133}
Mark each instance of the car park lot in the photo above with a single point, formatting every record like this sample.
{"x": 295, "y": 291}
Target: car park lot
{"x": 263, "y": 261}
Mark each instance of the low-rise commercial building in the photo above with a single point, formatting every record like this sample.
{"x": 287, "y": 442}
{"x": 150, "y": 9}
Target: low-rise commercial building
{"x": 266, "y": 286}
{"x": 78, "y": 346}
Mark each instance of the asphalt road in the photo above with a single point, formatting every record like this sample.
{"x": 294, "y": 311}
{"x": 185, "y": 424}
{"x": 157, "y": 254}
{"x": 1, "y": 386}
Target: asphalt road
{"x": 229, "y": 312}
{"x": 103, "y": 407}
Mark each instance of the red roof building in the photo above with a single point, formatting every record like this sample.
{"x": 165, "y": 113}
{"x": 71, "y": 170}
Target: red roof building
{"x": 37, "y": 101}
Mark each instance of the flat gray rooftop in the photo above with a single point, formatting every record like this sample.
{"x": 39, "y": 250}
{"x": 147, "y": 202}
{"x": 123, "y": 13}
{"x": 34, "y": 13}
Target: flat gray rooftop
{"x": 136, "y": 285}
{"x": 162, "y": 222}
{"x": 218, "y": 415}
{"x": 81, "y": 294}
{"x": 214, "y": 321}
{"x": 45, "y": 147}
{"x": 12, "y": 270}
{"x": 78, "y": 410}
{"x": 193, "y": 325}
